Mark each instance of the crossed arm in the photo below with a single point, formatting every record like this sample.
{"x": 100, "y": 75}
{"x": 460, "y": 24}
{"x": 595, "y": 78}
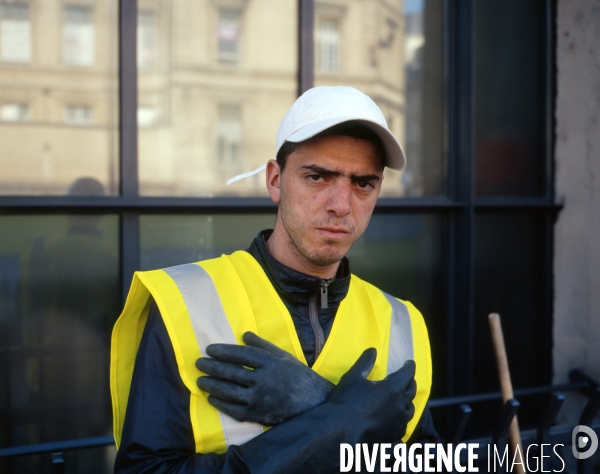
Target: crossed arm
{"x": 308, "y": 425}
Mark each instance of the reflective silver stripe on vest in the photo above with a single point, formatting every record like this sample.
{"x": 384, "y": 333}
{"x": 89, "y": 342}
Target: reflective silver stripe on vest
{"x": 210, "y": 326}
{"x": 401, "y": 340}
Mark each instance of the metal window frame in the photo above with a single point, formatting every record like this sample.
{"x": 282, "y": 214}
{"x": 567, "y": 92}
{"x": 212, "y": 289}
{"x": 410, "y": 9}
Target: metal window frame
{"x": 460, "y": 204}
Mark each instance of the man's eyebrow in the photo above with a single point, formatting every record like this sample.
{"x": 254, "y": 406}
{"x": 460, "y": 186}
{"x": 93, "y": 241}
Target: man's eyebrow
{"x": 321, "y": 170}
{"x": 353, "y": 177}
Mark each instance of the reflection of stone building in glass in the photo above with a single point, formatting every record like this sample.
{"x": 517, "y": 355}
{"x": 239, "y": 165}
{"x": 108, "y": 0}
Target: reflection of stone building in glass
{"x": 368, "y": 40}
{"x": 223, "y": 76}
{"x": 215, "y": 79}
{"x": 414, "y": 42}
{"x": 58, "y": 95}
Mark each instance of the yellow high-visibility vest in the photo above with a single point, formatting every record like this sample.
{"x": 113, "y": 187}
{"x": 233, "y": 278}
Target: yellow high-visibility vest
{"x": 218, "y": 300}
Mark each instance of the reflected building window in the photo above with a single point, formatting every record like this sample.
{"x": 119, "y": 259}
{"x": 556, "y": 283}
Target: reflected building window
{"x": 328, "y": 45}
{"x": 228, "y": 34}
{"x": 79, "y": 115}
{"x": 15, "y": 33}
{"x": 229, "y": 137}
{"x": 79, "y": 36}
{"x": 146, "y": 39}
{"x": 147, "y": 116}
{"x": 414, "y": 40}
{"x": 15, "y": 113}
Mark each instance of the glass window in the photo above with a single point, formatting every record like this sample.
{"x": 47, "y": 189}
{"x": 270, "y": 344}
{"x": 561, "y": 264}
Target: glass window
{"x": 228, "y": 34}
{"x": 146, "y": 39}
{"x": 328, "y": 45}
{"x": 146, "y": 115}
{"x": 59, "y": 294}
{"x": 229, "y": 140}
{"x": 15, "y": 33}
{"x": 215, "y": 78}
{"x": 59, "y": 124}
{"x": 511, "y": 279}
{"x": 393, "y": 52}
{"x": 215, "y": 119}
{"x": 79, "y": 36}
{"x": 14, "y": 113}
{"x": 510, "y": 95}
{"x": 173, "y": 240}
{"x": 79, "y": 115}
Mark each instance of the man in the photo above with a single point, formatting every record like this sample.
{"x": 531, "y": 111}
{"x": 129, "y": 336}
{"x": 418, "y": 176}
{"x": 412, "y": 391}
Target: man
{"x": 291, "y": 335}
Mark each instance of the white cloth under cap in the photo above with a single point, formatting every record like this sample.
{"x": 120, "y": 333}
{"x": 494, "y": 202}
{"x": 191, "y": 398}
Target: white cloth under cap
{"x": 322, "y": 107}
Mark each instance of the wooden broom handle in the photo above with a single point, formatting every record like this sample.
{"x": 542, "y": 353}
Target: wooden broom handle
{"x": 514, "y": 434}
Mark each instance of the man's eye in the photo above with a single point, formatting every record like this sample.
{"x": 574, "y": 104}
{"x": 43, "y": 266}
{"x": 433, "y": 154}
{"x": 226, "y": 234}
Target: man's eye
{"x": 365, "y": 184}
{"x": 315, "y": 178}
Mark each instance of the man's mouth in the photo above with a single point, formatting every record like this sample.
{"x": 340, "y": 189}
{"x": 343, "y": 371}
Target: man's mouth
{"x": 333, "y": 232}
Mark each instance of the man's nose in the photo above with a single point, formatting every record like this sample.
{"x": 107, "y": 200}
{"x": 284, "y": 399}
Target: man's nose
{"x": 340, "y": 199}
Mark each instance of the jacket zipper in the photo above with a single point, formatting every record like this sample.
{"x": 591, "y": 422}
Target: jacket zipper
{"x": 313, "y": 314}
{"x": 324, "y": 295}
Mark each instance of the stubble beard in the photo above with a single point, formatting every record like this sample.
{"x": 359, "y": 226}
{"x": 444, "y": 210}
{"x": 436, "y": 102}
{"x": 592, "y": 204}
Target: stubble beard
{"x": 296, "y": 231}
{"x": 321, "y": 259}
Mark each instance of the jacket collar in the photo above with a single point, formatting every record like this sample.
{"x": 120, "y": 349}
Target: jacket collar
{"x": 292, "y": 285}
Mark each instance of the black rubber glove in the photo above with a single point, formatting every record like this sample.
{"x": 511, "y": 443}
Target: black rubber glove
{"x": 381, "y": 409}
{"x": 278, "y": 388}
{"x": 358, "y": 411}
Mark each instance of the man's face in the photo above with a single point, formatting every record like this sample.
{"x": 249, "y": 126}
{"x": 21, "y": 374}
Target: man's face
{"x": 326, "y": 196}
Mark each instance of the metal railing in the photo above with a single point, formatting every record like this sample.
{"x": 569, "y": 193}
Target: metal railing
{"x": 544, "y": 434}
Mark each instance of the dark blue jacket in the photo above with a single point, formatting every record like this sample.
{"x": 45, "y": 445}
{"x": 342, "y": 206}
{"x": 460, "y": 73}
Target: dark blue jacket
{"x": 157, "y": 434}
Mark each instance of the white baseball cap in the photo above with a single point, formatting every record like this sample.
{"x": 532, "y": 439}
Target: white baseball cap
{"x": 322, "y": 107}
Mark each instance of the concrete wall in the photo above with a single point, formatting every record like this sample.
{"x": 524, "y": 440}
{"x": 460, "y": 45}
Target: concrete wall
{"x": 577, "y": 155}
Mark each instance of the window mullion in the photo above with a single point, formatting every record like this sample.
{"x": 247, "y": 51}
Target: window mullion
{"x": 306, "y": 49}
{"x": 461, "y": 189}
{"x": 128, "y": 153}
{"x": 128, "y": 98}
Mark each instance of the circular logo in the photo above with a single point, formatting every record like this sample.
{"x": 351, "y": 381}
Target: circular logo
{"x": 584, "y": 442}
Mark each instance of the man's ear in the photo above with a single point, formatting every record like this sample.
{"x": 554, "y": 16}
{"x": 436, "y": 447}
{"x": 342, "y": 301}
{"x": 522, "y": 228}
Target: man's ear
{"x": 274, "y": 181}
